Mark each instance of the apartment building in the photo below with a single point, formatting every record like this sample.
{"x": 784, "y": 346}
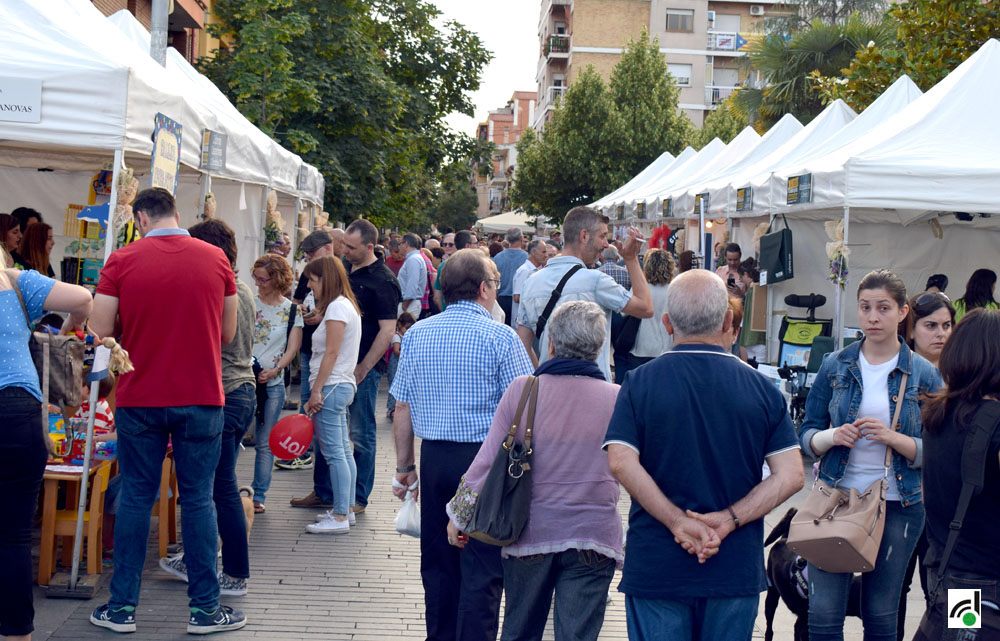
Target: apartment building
{"x": 185, "y": 23}
{"x": 702, "y": 40}
{"x": 503, "y": 127}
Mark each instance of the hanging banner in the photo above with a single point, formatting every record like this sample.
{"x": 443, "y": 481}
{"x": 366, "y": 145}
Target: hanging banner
{"x": 213, "y": 150}
{"x": 744, "y": 199}
{"x": 640, "y": 210}
{"x": 799, "y": 189}
{"x": 165, "y": 166}
{"x": 701, "y": 204}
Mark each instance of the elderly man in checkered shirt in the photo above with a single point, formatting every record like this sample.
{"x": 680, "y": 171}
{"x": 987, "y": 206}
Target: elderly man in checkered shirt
{"x": 611, "y": 267}
{"x": 453, "y": 370}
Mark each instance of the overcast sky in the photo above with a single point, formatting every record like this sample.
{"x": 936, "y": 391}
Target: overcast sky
{"x": 509, "y": 30}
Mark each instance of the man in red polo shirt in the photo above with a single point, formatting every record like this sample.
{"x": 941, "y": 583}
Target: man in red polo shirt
{"x": 174, "y": 298}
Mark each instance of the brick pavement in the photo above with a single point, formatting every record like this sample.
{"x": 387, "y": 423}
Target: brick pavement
{"x": 364, "y": 586}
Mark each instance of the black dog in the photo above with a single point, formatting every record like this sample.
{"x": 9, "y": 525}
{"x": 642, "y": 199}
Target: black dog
{"x": 787, "y": 581}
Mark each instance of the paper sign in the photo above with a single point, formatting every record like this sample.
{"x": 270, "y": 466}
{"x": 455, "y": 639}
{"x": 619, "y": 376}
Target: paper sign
{"x": 303, "y": 178}
{"x": 744, "y": 199}
{"x": 20, "y": 99}
{"x": 213, "y": 150}
{"x": 668, "y": 207}
{"x": 621, "y": 212}
{"x": 640, "y": 210}
{"x": 166, "y": 162}
{"x": 701, "y": 204}
{"x": 799, "y": 189}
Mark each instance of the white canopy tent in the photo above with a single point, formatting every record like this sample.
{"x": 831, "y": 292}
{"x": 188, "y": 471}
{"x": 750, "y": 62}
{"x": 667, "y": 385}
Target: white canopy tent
{"x": 664, "y": 160}
{"x": 682, "y": 198}
{"x": 623, "y": 194}
{"x": 653, "y": 192}
{"x": 500, "y": 223}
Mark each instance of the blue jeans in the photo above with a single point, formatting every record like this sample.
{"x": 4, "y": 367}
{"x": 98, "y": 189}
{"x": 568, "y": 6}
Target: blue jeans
{"x": 702, "y": 618}
{"x": 390, "y": 404}
{"x": 331, "y": 435}
{"x": 880, "y": 588}
{"x": 241, "y": 405}
{"x": 196, "y": 434}
{"x": 580, "y": 580}
{"x": 304, "y": 388}
{"x": 362, "y": 423}
{"x": 264, "y": 463}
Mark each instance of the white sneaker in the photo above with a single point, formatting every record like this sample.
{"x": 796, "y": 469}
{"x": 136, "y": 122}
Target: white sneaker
{"x": 322, "y": 516}
{"x": 353, "y": 520}
{"x": 329, "y": 526}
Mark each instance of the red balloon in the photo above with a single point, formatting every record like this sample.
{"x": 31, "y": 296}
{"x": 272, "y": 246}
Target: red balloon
{"x": 291, "y": 436}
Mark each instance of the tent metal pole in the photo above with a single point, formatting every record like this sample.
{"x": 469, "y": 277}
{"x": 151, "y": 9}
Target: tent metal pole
{"x": 263, "y": 217}
{"x": 111, "y": 233}
{"x": 206, "y": 189}
{"x": 839, "y": 294}
{"x": 158, "y": 32}
{"x": 701, "y": 223}
{"x": 84, "y": 478}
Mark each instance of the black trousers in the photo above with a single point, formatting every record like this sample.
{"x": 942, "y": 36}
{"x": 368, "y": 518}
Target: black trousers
{"x": 462, "y": 588}
{"x": 22, "y": 463}
{"x": 506, "y": 304}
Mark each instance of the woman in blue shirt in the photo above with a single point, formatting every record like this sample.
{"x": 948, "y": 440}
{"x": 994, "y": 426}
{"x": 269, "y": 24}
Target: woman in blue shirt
{"x": 22, "y": 440}
{"x": 848, "y": 423}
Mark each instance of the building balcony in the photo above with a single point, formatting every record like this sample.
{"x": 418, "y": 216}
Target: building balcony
{"x": 549, "y": 4}
{"x": 715, "y": 95}
{"x": 552, "y": 94}
{"x": 556, "y": 47}
{"x": 721, "y": 41}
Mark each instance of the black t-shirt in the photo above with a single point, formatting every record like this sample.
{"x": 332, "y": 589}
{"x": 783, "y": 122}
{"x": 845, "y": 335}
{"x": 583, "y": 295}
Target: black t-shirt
{"x": 300, "y": 293}
{"x": 976, "y": 550}
{"x": 377, "y": 292}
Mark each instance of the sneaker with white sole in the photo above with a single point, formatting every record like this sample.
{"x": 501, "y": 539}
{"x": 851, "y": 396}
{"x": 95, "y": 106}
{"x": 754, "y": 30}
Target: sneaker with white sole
{"x": 231, "y": 586}
{"x": 322, "y": 516}
{"x": 174, "y": 566}
{"x": 115, "y": 619}
{"x": 304, "y": 462}
{"x": 329, "y": 526}
{"x": 224, "y": 618}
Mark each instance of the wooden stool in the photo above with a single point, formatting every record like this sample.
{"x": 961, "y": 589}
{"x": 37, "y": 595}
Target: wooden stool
{"x": 165, "y": 509}
{"x": 93, "y": 518}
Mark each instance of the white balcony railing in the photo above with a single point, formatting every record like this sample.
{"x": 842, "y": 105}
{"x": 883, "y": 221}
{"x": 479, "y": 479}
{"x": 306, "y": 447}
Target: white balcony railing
{"x": 715, "y": 95}
{"x": 552, "y": 94}
{"x": 557, "y": 46}
{"x": 721, "y": 41}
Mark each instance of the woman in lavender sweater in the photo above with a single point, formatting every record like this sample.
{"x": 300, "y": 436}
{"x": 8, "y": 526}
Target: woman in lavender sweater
{"x": 573, "y": 540}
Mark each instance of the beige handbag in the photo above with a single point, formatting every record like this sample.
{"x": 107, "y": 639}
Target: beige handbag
{"x": 841, "y": 530}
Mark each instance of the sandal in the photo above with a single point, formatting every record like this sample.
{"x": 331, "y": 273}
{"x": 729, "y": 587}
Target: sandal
{"x": 258, "y": 507}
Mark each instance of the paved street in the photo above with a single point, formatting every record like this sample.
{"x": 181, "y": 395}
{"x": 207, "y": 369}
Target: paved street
{"x": 361, "y": 586}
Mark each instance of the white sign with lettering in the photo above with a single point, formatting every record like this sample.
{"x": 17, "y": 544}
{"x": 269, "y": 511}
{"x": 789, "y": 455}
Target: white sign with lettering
{"x": 20, "y": 99}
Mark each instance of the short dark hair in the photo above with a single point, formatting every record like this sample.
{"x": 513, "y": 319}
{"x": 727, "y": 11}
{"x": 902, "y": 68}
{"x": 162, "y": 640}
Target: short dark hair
{"x": 364, "y": 228}
{"x": 23, "y": 214}
{"x": 579, "y": 219}
{"x": 887, "y": 280}
{"x": 495, "y": 248}
{"x": 155, "y": 202}
{"x": 413, "y": 240}
{"x": 462, "y": 275}
{"x": 218, "y": 233}
{"x": 749, "y": 267}
{"x": 437, "y": 252}
{"x": 463, "y": 239}
{"x": 733, "y": 247}
{"x": 937, "y": 280}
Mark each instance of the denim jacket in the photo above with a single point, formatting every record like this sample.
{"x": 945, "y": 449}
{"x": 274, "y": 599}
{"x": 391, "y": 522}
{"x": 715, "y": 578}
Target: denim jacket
{"x": 834, "y": 400}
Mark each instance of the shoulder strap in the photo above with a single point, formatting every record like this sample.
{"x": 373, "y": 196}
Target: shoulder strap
{"x": 525, "y": 394}
{"x": 544, "y": 318}
{"x": 291, "y": 319}
{"x": 974, "y": 452}
{"x": 20, "y": 297}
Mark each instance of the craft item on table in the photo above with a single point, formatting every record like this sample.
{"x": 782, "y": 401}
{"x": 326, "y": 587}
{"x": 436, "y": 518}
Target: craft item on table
{"x": 837, "y": 252}
{"x": 208, "y": 210}
{"x": 128, "y": 189}
{"x": 758, "y": 232}
{"x": 273, "y": 224}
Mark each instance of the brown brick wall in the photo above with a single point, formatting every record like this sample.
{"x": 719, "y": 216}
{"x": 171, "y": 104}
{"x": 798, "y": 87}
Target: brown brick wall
{"x": 141, "y": 9}
{"x": 608, "y": 23}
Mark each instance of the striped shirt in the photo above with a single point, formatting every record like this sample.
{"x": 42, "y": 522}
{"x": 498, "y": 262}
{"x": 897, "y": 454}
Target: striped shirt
{"x": 454, "y": 368}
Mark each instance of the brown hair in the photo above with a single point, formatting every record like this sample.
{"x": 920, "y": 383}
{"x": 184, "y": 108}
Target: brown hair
{"x": 970, "y": 367}
{"x": 658, "y": 267}
{"x": 7, "y": 223}
{"x": 685, "y": 261}
{"x": 278, "y": 269}
{"x": 216, "y": 232}
{"x": 917, "y": 311}
{"x": 884, "y": 279}
{"x": 36, "y": 235}
{"x": 736, "y": 307}
{"x": 330, "y": 271}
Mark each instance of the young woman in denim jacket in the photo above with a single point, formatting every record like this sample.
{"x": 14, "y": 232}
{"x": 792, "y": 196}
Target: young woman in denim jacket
{"x": 850, "y": 429}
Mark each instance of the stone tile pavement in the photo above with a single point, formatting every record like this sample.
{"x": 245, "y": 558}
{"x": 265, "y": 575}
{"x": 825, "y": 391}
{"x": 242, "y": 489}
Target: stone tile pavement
{"x": 363, "y": 586}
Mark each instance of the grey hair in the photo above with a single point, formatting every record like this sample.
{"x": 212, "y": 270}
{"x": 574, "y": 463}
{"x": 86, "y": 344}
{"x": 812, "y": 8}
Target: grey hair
{"x": 579, "y": 219}
{"x": 610, "y": 253}
{"x": 533, "y": 244}
{"x": 578, "y": 330}
{"x": 697, "y": 302}
{"x": 514, "y": 235}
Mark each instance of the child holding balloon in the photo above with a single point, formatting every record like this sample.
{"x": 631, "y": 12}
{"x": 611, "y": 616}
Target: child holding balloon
{"x": 335, "y": 346}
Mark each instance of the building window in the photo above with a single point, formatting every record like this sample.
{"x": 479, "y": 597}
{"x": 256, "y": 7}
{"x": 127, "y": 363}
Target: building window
{"x": 680, "y": 20}
{"x": 681, "y": 74}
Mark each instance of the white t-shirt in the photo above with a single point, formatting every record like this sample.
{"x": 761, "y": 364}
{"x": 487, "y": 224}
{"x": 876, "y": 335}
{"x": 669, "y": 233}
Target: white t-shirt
{"x": 341, "y": 310}
{"x": 270, "y": 339}
{"x": 526, "y": 269}
{"x": 866, "y": 463}
{"x": 652, "y": 338}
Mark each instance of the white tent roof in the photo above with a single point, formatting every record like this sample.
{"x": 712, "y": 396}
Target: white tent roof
{"x": 653, "y": 192}
{"x": 737, "y": 149}
{"x": 502, "y": 222}
{"x": 625, "y": 196}
{"x": 654, "y": 167}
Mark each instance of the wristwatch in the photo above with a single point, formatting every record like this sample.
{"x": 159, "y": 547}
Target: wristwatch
{"x": 406, "y": 470}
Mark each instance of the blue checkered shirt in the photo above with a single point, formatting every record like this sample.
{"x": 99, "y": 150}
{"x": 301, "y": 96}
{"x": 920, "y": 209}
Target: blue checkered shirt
{"x": 616, "y": 271}
{"x": 454, "y": 368}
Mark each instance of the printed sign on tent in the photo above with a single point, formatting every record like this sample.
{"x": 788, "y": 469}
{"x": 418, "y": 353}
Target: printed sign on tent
{"x": 800, "y": 189}
{"x": 621, "y": 212}
{"x": 213, "y": 150}
{"x": 668, "y": 207}
{"x": 744, "y": 199}
{"x": 20, "y": 99}
{"x": 640, "y": 210}
{"x": 701, "y": 204}
{"x": 166, "y": 163}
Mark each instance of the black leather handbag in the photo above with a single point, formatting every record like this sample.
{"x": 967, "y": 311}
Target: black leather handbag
{"x": 776, "y": 262}
{"x": 505, "y": 498}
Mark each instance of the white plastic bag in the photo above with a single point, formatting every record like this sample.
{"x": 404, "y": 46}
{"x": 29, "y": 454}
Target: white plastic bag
{"x": 408, "y": 518}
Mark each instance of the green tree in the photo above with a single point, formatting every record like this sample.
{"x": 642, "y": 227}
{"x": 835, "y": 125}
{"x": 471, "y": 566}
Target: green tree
{"x": 724, "y": 123}
{"x": 932, "y": 38}
{"x": 600, "y": 135}
{"x": 801, "y": 14}
{"x": 455, "y": 200}
{"x": 786, "y": 65}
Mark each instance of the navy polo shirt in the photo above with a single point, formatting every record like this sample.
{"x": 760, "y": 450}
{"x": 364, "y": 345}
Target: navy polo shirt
{"x": 702, "y": 422}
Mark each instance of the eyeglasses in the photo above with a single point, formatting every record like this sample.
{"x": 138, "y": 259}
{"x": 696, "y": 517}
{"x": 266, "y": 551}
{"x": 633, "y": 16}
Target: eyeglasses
{"x": 261, "y": 281}
{"x": 928, "y": 297}
{"x": 447, "y": 244}
{"x": 495, "y": 281}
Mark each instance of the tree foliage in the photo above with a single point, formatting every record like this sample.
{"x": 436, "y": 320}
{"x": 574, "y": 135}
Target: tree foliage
{"x": 360, "y": 88}
{"x": 724, "y": 123}
{"x": 455, "y": 201}
{"x": 786, "y": 64}
{"x": 601, "y": 134}
{"x": 800, "y": 15}
{"x": 932, "y": 38}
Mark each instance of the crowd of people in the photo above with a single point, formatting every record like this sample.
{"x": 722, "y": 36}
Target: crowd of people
{"x": 547, "y": 317}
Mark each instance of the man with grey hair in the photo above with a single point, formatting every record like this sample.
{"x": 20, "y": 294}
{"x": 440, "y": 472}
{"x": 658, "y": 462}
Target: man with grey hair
{"x": 610, "y": 266}
{"x": 412, "y": 276}
{"x": 586, "y": 236}
{"x": 451, "y": 408}
{"x": 697, "y": 497}
{"x": 537, "y": 257}
{"x": 508, "y": 261}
